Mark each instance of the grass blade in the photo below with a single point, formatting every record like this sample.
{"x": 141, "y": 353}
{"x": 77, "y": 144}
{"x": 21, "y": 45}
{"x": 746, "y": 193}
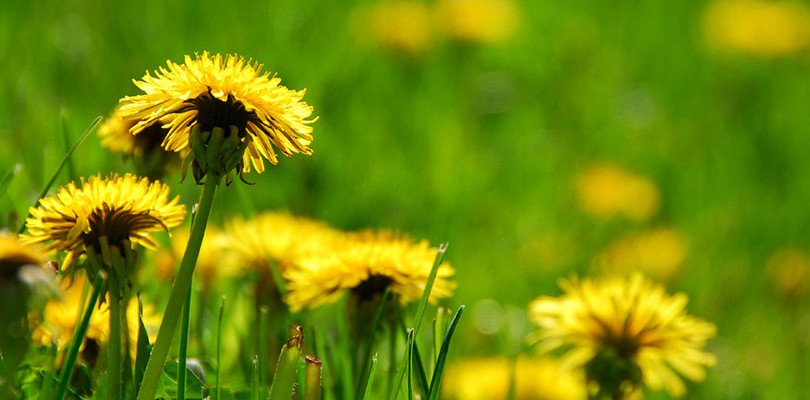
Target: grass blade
{"x": 363, "y": 383}
{"x": 287, "y": 368}
{"x": 219, "y": 348}
{"x": 64, "y": 161}
{"x": 143, "y": 348}
{"x": 409, "y": 362}
{"x": 371, "y": 369}
{"x": 420, "y": 311}
{"x": 312, "y": 379}
{"x": 435, "y": 382}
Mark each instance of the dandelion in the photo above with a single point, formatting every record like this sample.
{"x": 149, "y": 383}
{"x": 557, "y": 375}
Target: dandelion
{"x": 275, "y": 237}
{"x": 759, "y": 28}
{"x": 123, "y": 210}
{"x": 366, "y": 264}
{"x": 623, "y": 331}
{"x": 606, "y": 191}
{"x": 489, "y": 378}
{"x": 229, "y": 113}
{"x": 145, "y": 149}
{"x": 486, "y": 21}
{"x": 657, "y": 253}
{"x": 789, "y": 272}
{"x": 401, "y": 26}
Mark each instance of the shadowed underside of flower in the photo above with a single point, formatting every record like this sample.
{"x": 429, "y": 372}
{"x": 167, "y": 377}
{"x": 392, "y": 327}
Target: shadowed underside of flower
{"x": 208, "y": 92}
{"x": 365, "y": 264}
{"x": 624, "y": 331}
{"x": 124, "y": 209}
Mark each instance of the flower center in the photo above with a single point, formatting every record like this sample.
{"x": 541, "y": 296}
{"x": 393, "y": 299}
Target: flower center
{"x": 375, "y": 285}
{"x": 117, "y": 224}
{"x": 212, "y": 112}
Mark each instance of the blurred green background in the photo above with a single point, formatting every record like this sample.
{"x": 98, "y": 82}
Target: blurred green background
{"x": 486, "y": 143}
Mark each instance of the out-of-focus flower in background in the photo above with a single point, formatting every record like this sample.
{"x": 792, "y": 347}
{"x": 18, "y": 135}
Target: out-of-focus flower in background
{"x": 488, "y": 378}
{"x": 484, "y": 21}
{"x": 759, "y": 28}
{"x": 658, "y": 253}
{"x": 789, "y": 271}
{"x": 400, "y": 26}
{"x": 606, "y": 191}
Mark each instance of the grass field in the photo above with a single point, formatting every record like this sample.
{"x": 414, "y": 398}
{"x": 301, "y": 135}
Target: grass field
{"x": 493, "y": 146}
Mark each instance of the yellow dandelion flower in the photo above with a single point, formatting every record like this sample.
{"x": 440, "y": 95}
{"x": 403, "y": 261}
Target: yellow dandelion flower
{"x": 759, "y": 28}
{"x": 789, "y": 271}
{"x": 120, "y": 208}
{"x": 212, "y": 91}
{"x": 658, "y": 253}
{"x": 366, "y": 263}
{"x": 145, "y": 149}
{"x": 487, "y": 21}
{"x": 403, "y": 26}
{"x": 61, "y": 314}
{"x": 277, "y": 237}
{"x": 606, "y": 191}
{"x": 488, "y": 378}
{"x": 14, "y": 256}
{"x": 624, "y": 331}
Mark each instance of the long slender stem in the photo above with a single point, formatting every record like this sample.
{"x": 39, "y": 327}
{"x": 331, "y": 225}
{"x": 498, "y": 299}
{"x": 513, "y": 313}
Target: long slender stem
{"x": 179, "y": 292}
{"x": 114, "y": 344}
{"x": 181, "y": 362}
{"x": 78, "y": 338}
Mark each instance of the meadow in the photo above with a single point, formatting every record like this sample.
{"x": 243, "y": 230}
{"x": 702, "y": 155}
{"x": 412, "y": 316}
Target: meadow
{"x": 569, "y": 138}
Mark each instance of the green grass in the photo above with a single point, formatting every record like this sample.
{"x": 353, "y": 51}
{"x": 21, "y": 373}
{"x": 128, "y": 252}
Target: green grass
{"x": 475, "y": 145}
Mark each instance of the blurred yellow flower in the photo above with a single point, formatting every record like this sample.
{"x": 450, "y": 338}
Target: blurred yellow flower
{"x": 215, "y": 91}
{"x": 403, "y": 26}
{"x": 624, "y": 331}
{"x": 658, "y": 253}
{"x": 120, "y": 208}
{"x": 789, "y": 271}
{"x": 365, "y": 264}
{"x": 488, "y": 379}
{"x": 487, "y": 21}
{"x": 276, "y": 237}
{"x": 145, "y": 149}
{"x": 61, "y": 315}
{"x": 606, "y": 191}
{"x": 14, "y": 255}
{"x": 760, "y": 28}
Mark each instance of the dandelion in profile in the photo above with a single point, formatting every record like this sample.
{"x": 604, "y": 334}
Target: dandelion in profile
{"x": 624, "y": 332}
{"x": 149, "y": 158}
{"x": 225, "y": 110}
{"x": 120, "y": 211}
{"x": 365, "y": 264}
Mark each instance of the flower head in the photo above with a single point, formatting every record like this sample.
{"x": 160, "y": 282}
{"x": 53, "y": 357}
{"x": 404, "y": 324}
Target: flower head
{"x": 756, "y": 27}
{"x": 16, "y": 255}
{"x": 658, "y": 253}
{"x": 488, "y": 378}
{"x": 122, "y": 209}
{"x": 624, "y": 331}
{"x": 365, "y": 264}
{"x": 488, "y": 21}
{"x": 402, "y": 25}
{"x": 145, "y": 148}
{"x": 607, "y": 190}
{"x": 277, "y": 237}
{"x": 230, "y": 93}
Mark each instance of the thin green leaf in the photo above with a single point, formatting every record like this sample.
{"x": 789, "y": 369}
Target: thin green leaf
{"x": 71, "y": 169}
{"x": 56, "y": 173}
{"x": 371, "y": 370}
{"x": 143, "y": 347}
{"x": 219, "y": 349}
{"x": 438, "y": 371}
{"x": 409, "y": 361}
{"x": 419, "y": 369}
{"x": 420, "y": 310}
{"x": 312, "y": 379}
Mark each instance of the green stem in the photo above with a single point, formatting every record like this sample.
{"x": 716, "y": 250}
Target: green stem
{"x": 182, "y": 285}
{"x": 181, "y": 362}
{"x": 78, "y": 338}
{"x": 114, "y": 344}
